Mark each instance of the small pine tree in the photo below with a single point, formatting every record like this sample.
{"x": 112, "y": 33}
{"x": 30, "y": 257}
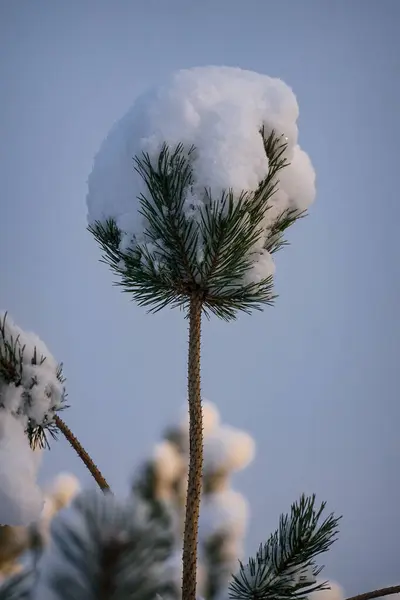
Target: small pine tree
{"x": 201, "y": 247}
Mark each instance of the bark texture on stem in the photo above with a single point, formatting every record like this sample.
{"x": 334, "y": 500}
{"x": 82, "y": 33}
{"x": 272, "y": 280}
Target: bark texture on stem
{"x": 83, "y": 455}
{"x": 394, "y": 589}
{"x": 189, "y": 575}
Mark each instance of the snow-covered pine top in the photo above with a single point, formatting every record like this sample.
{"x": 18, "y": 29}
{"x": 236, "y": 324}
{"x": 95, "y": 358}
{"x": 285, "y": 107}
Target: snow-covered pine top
{"x": 220, "y": 111}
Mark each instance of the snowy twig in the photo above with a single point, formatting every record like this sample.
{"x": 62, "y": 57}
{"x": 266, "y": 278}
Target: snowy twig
{"x": 83, "y": 455}
{"x": 394, "y": 589}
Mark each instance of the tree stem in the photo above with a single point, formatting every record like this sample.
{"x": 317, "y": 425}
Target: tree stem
{"x": 83, "y": 455}
{"x": 394, "y": 589}
{"x": 189, "y": 574}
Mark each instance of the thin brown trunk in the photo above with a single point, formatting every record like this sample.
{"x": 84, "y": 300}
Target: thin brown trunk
{"x": 394, "y": 589}
{"x": 189, "y": 575}
{"x": 83, "y": 455}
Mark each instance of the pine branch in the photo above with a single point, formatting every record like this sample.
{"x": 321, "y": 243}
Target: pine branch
{"x": 83, "y": 454}
{"x": 12, "y": 364}
{"x": 285, "y": 566}
{"x": 394, "y": 589}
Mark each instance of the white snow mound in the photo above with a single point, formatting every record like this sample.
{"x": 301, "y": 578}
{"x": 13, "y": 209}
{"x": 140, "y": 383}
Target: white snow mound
{"x": 64, "y": 489}
{"x": 21, "y": 500}
{"x": 167, "y": 461}
{"x": 219, "y": 111}
{"x": 223, "y": 512}
{"x": 228, "y": 449}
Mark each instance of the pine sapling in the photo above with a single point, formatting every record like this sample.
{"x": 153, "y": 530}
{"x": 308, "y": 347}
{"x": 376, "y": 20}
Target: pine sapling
{"x": 180, "y": 229}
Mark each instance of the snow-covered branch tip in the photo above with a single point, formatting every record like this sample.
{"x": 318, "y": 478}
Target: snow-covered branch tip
{"x": 192, "y": 191}
{"x": 32, "y": 396}
{"x": 285, "y": 565}
{"x": 31, "y": 382}
{"x": 202, "y": 255}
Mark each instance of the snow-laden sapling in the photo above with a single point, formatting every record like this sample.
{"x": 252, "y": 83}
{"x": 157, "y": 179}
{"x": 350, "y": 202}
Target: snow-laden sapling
{"x": 189, "y": 198}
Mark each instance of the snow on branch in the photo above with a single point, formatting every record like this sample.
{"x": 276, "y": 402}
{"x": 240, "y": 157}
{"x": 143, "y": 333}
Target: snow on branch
{"x": 31, "y": 392}
{"x": 210, "y": 153}
{"x": 31, "y": 381}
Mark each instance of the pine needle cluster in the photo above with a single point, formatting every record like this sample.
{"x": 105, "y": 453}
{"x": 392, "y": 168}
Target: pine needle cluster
{"x": 206, "y": 251}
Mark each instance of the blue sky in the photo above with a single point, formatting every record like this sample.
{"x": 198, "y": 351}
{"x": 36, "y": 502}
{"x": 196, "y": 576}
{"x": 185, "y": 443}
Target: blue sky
{"x": 314, "y": 379}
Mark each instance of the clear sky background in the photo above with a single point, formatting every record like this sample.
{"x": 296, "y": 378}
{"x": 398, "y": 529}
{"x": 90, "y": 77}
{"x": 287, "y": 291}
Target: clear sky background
{"x": 315, "y": 379}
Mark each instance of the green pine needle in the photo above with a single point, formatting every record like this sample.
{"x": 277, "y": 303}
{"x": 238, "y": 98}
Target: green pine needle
{"x": 299, "y": 539}
{"x": 208, "y": 253}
